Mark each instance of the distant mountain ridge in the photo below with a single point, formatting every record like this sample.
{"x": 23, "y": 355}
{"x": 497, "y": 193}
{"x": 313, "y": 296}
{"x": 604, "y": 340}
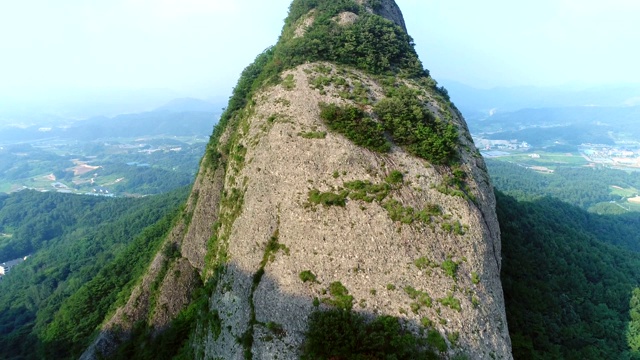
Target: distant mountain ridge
{"x": 179, "y": 117}
{"x": 542, "y": 116}
{"x": 480, "y": 102}
{"x": 190, "y": 104}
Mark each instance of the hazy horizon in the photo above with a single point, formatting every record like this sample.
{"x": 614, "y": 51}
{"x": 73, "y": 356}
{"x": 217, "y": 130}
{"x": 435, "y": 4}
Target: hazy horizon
{"x": 195, "y": 48}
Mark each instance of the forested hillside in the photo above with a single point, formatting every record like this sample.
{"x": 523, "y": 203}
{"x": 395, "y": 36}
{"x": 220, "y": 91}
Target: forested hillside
{"x": 87, "y": 253}
{"x": 571, "y": 261}
{"x": 585, "y": 187}
{"x": 597, "y": 190}
{"x": 567, "y": 291}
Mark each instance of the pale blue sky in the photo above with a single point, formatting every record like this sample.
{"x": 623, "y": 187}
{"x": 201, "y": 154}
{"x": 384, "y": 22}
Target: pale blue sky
{"x": 199, "y": 47}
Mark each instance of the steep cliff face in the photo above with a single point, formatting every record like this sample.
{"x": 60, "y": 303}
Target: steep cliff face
{"x": 341, "y": 187}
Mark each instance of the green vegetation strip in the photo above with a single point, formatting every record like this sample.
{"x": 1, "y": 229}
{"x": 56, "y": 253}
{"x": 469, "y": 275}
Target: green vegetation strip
{"x": 352, "y": 122}
{"x": 414, "y": 127}
{"x": 326, "y": 40}
{"x": 451, "y": 302}
{"x": 308, "y": 276}
{"x": 341, "y": 334}
{"x": 340, "y": 297}
{"x": 313, "y": 134}
{"x": 421, "y": 298}
{"x": 369, "y": 192}
{"x": 455, "y": 184}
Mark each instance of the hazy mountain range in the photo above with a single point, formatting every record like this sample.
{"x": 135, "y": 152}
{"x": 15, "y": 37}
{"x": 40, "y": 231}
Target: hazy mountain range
{"x": 179, "y": 117}
{"x": 477, "y": 102}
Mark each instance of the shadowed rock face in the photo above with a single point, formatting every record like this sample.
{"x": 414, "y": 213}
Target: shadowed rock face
{"x": 254, "y": 229}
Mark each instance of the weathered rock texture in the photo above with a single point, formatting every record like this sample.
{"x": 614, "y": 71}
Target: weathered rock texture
{"x": 358, "y": 245}
{"x": 259, "y": 198}
{"x": 387, "y": 9}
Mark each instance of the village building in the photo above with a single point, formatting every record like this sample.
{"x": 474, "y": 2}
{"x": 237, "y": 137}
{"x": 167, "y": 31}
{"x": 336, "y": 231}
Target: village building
{"x": 5, "y": 267}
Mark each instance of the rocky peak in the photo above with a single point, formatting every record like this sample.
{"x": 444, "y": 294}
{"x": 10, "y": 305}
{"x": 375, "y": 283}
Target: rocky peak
{"x": 340, "y": 196}
{"x": 388, "y": 9}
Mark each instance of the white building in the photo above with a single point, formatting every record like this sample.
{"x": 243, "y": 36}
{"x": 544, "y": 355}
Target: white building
{"x": 5, "y": 267}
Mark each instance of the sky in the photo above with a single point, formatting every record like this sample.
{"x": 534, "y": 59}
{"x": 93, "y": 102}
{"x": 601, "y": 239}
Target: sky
{"x": 199, "y": 47}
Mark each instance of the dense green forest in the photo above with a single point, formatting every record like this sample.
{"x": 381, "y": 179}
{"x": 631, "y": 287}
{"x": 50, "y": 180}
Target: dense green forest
{"x": 14, "y": 165}
{"x": 569, "y": 275}
{"x": 145, "y": 180}
{"x": 585, "y": 187}
{"x": 567, "y": 291}
{"x": 87, "y": 253}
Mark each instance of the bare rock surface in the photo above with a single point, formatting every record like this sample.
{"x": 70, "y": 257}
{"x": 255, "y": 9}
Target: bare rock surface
{"x": 303, "y": 24}
{"x": 346, "y": 18}
{"x": 387, "y": 9}
{"x": 358, "y": 244}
